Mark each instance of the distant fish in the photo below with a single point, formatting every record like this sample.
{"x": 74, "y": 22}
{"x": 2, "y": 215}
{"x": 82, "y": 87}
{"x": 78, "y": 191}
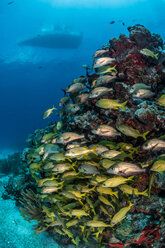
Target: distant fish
{"x": 9, "y": 3}
{"x": 123, "y": 23}
{"x": 112, "y": 22}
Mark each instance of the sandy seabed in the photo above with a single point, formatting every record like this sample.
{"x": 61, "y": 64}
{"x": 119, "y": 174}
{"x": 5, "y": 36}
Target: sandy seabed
{"x": 15, "y": 232}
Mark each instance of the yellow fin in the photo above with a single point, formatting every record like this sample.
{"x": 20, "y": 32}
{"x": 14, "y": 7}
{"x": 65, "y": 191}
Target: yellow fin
{"x": 123, "y": 105}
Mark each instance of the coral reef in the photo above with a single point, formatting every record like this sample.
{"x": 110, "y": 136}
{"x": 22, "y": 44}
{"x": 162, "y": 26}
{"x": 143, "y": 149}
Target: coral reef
{"x": 96, "y": 173}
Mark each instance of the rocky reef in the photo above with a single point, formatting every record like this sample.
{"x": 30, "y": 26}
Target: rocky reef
{"x": 96, "y": 176}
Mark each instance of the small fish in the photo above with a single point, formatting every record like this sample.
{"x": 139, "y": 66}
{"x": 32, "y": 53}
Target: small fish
{"x": 103, "y": 62}
{"x": 48, "y": 112}
{"x": 107, "y": 191}
{"x": 149, "y": 53}
{"x": 121, "y": 214}
{"x": 70, "y": 223}
{"x": 59, "y": 125}
{"x": 77, "y": 193}
{"x": 52, "y": 148}
{"x": 82, "y": 98}
{"x": 103, "y": 209}
{"x": 88, "y": 169}
{"x": 115, "y": 155}
{"x": 161, "y": 100}
{"x": 105, "y": 69}
{"x": 81, "y": 79}
{"x": 116, "y": 181}
{"x": 68, "y": 137}
{"x": 58, "y": 157}
{"x": 158, "y": 166}
{"x": 105, "y": 201}
{"x": 74, "y": 88}
{"x": 106, "y": 79}
{"x": 130, "y": 131}
{"x": 154, "y": 145}
{"x": 100, "y": 149}
{"x": 64, "y": 100}
{"x": 100, "y": 53}
{"x": 105, "y": 130}
{"x": 34, "y": 167}
{"x": 143, "y": 93}
{"x": 99, "y": 91}
{"x": 52, "y": 183}
{"x": 48, "y": 166}
{"x": 123, "y": 23}
{"x": 73, "y": 174}
{"x": 79, "y": 151}
{"x": 60, "y": 168}
{"x": 136, "y": 87}
{"x": 49, "y": 190}
{"x": 125, "y": 169}
{"x": 71, "y": 108}
{"x": 97, "y": 223}
{"x": 110, "y": 104}
{"x": 107, "y": 163}
{"x": 78, "y": 213}
{"x": 48, "y": 137}
{"x": 127, "y": 189}
{"x": 112, "y": 22}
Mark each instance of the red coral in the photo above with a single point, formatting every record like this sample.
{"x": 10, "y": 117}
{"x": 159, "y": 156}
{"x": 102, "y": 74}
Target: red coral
{"x": 149, "y": 234}
{"x": 116, "y": 245}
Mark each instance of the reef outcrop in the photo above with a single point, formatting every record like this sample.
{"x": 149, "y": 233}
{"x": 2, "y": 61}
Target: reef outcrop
{"x": 96, "y": 174}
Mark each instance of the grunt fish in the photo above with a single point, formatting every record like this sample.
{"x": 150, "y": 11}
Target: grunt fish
{"x": 132, "y": 191}
{"x": 105, "y": 130}
{"x": 161, "y": 100}
{"x": 110, "y": 104}
{"x": 116, "y": 181}
{"x": 74, "y": 88}
{"x": 154, "y": 145}
{"x": 121, "y": 214}
{"x": 100, "y": 53}
{"x": 106, "y": 79}
{"x": 68, "y": 137}
{"x": 99, "y": 91}
{"x": 125, "y": 169}
{"x": 48, "y": 112}
{"x": 158, "y": 166}
{"x": 149, "y": 53}
{"x": 130, "y": 131}
{"x": 103, "y": 62}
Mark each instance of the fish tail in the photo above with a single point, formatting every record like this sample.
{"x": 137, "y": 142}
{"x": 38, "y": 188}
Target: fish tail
{"x": 94, "y": 150}
{"x": 123, "y": 105}
{"x": 131, "y": 155}
{"x": 54, "y": 107}
{"x": 144, "y": 135}
{"x": 114, "y": 68}
{"x": 130, "y": 178}
{"x": 116, "y": 194}
{"x": 156, "y": 56}
{"x": 144, "y": 193}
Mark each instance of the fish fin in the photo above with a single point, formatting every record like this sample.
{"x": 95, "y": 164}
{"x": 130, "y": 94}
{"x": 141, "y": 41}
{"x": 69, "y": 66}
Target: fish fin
{"x": 131, "y": 155}
{"x": 54, "y": 107}
{"x": 144, "y": 135}
{"x": 116, "y": 194}
{"x": 123, "y": 105}
{"x": 130, "y": 178}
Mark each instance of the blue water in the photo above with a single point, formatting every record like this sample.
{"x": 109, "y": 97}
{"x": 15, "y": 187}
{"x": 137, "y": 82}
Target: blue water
{"x": 31, "y": 78}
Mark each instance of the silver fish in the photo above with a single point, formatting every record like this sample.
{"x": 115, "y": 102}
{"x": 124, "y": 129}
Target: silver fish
{"x": 68, "y": 137}
{"x": 71, "y": 108}
{"x": 136, "y": 87}
{"x": 74, "y": 88}
{"x": 100, "y": 53}
{"x": 143, "y": 93}
{"x": 52, "y": 148}
{"x": 103, "y": 61}
{"x": 154, "y": 145}
{"x": 125, "y": 169}
{"x": 88, "y": 169}
{"x": 106, "y": 79}
{"x": 82, "y": 98}
{"x": 105, "y": 130}
{"x": 99, "y": 91}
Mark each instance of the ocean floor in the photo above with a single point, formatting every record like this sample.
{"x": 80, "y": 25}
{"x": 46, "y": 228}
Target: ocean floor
{"x": 15, "y": 232}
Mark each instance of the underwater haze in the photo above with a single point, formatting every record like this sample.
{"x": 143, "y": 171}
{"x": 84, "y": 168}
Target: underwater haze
{"x": 33, "y": 76}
